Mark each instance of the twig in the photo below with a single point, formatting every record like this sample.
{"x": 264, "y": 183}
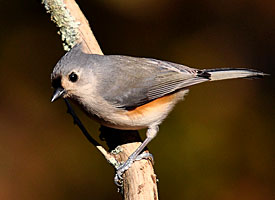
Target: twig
{"x": 109, "y": 157}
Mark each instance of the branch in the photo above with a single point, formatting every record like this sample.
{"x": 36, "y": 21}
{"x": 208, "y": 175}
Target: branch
{"x": 109, "y": 157}
{"x": 140, "y": 179}
{"x": 73, "y": 26}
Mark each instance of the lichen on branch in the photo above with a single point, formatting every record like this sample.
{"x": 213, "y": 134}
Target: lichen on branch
{"x": 68, "y": 25}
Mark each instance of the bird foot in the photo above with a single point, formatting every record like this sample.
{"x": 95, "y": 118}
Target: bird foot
{"x": 118, "y": 179}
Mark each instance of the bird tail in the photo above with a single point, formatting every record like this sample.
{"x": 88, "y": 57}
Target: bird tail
{"x": 230, "y": 73}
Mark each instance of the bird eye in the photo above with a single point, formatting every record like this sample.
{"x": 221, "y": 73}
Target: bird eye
{"x": 73, "y": 77}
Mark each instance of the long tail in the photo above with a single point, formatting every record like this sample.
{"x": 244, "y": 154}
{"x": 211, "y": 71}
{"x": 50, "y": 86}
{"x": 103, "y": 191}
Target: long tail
{"x": 230, "y": 73}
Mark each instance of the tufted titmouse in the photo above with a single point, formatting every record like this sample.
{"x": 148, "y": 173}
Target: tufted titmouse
{"x": 130, "y": 93}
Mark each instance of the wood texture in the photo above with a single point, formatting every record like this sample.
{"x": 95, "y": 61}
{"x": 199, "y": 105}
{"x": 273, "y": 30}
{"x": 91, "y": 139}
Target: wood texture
{"x": 86, "y": 34}
{"x": 140, "y": 182}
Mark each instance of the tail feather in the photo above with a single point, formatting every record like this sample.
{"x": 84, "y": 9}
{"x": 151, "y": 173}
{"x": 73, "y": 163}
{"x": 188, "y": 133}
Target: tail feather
{"x": 230, "y": 73}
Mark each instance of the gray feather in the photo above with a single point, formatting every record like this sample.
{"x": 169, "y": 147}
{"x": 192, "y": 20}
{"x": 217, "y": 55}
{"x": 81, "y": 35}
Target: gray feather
{"x": 230, "y": 73}
{"x": 129, "y": 82}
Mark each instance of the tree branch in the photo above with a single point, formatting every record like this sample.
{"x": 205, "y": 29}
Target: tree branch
{"x": 109, "y": 157}
{"x": 73, "y": 26}
{"x": 140, "y": 179}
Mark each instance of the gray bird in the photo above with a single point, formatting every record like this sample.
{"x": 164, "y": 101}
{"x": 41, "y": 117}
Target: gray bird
{"x": 130, "y": 93}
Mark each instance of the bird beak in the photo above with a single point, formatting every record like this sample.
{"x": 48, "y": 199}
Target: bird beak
{"x": 59, "y": 92}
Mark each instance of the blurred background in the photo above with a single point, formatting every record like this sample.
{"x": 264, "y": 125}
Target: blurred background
{"x": 216, "y": 145}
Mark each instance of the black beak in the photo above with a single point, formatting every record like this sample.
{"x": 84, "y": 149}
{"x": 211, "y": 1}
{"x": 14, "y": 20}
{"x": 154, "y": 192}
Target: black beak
{"x": 59, "y": 92}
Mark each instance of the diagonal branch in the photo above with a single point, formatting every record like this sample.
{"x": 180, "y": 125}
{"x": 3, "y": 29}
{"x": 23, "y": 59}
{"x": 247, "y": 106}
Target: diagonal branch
{"x": 73, "y": 26}
{"x": 109, "y": 157}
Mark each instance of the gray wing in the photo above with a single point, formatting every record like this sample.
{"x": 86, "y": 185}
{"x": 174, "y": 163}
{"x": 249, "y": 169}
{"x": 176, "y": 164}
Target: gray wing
{"x": 129, "y": 82}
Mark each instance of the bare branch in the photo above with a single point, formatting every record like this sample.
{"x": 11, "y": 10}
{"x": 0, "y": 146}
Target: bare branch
{"x": 109, "y": 157}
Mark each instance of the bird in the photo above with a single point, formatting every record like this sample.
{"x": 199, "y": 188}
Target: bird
{"x": 130, "y": 93}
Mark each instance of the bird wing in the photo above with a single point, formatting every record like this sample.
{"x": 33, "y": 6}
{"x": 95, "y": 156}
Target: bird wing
{"x": 129, "y": 82}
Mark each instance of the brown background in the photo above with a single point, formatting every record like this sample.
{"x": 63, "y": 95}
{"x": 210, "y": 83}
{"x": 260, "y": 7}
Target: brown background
{"x": 216, "y": 145}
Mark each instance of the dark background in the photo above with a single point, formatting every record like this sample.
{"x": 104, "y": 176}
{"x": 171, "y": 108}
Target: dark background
{"x": 216, "y": 145}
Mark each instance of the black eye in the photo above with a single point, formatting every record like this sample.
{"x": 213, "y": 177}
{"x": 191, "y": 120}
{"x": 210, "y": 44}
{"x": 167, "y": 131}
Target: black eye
{"x": 73, "y": 77}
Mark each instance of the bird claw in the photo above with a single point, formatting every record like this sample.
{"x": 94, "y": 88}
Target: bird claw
{"x": 147, "y": 156}
{"x": 118, "y": 179}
